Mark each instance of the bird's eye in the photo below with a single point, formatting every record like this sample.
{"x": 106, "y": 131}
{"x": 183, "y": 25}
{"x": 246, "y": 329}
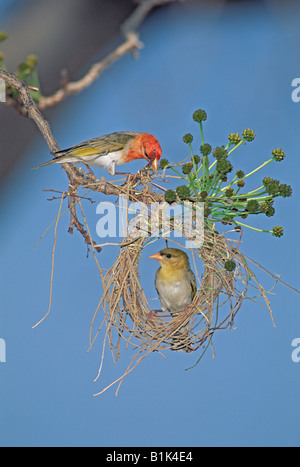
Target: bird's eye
{"x": 168, "y": 255}
{"x": 146, "y": 154}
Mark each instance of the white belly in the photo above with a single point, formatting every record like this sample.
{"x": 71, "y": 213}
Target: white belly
{"x": 175, "y": 297}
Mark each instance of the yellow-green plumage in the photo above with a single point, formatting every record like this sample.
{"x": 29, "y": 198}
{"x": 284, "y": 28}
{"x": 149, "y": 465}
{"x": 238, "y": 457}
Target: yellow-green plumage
{"x": 93, "y": 151}
{"x": 112, "y": 150}
{"x": 175, "y": 283}
{"x": 102, "y": 145}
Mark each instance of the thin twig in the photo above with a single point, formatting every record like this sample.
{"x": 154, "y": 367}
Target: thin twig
{"x": 132, "y": 43}
{"x": 274, "y": 276}
{"x": 52, "y": 264}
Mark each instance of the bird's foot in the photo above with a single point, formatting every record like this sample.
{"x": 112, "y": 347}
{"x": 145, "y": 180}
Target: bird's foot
{"x": 121, "y": 173}
{"x": 187, "y": 308}
{"x": 152, "y": 315}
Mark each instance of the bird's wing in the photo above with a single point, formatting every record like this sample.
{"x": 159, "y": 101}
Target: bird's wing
{"x": 164, "y": 305}
{"x": 102, "y": 146}
{"x": 193, "y": 283}
{"x": 156, "y": 279}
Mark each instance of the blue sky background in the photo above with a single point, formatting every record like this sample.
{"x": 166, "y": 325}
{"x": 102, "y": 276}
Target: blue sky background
{"x": 237, "y": 63}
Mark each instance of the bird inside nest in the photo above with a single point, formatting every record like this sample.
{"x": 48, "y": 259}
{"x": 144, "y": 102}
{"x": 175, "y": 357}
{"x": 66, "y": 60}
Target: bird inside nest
{"x": 175, "y": 283}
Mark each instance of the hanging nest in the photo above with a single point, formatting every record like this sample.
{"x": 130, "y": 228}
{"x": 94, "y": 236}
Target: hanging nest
{"x": 129, "y": 317}
{"x": 126, "y": 318}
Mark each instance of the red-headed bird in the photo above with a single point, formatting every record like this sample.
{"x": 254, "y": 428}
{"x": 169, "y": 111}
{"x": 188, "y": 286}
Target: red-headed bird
{"x": 176, "y": 286}
{"x": 109, "y": 151}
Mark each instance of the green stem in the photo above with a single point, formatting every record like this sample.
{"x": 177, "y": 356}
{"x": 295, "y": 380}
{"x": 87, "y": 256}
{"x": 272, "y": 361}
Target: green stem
{"x": 213, "y": 164}
{"x": 236, "y": 146}
{"x": 196, "y": 177}
{"x": 254, "y": 191}
{"x": 178, "y": 173}
{"x": 202, "y": 136}
{"x": 205, "y": 172}
{"x": 192, "y": 184}
{"x": 217, "y": 187}
{"x": 258, "y": 168}
{"x": 216, "y": 178}
{"x": 253, "y": 228}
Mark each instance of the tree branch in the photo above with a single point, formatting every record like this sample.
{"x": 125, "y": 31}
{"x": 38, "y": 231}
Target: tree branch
{"x": 140, "y": 13}
{"x": 31, "y": 109}
{"x": 27, "y": 107}
{"x": 131, "y": 44}
{"x": 76, "y": 176}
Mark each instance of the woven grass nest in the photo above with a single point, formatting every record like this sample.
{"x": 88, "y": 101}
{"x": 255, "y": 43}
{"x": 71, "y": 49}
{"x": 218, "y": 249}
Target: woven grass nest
{"x": 129, "y": 317}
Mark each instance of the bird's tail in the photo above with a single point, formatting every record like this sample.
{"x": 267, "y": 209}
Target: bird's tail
{"x": 58, "y": 159}
{"x": 46, "y": 163}
{"x": 181, "y": 339}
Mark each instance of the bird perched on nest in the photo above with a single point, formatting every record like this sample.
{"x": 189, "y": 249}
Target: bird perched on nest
{"x": 109, "y": 151}
{"x": 176, "y": 286}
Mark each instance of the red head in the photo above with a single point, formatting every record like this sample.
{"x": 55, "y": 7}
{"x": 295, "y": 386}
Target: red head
{"x": 145, "y": 146}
